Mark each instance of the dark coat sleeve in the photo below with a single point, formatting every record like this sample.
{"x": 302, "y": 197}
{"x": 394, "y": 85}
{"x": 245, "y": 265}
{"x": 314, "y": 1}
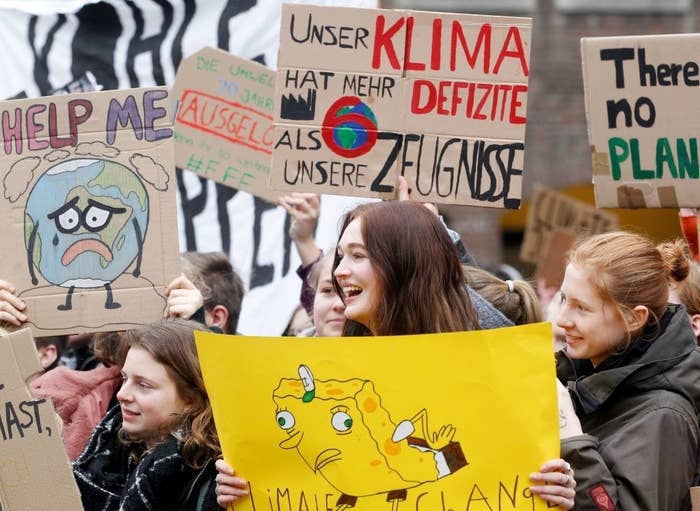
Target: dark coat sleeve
{"x": 650, "y": 464}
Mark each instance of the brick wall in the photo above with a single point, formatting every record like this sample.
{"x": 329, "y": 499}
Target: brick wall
{"x": 556, "y": 145}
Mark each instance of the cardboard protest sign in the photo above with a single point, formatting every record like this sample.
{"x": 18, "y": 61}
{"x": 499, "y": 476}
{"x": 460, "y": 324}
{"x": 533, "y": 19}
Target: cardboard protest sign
{"x": 643, "y": 119}
{"x": 552, "y": 264}
{"x": 88, "y": 200}
{"x": 34, "y": 472}
{"x": 223, "y": 128}
{"x": 423, "y": 422}
{"x": 438, "y": 98}
{"x": 551, "y": 210}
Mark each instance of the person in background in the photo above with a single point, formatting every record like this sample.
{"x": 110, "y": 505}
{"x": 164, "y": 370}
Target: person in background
{"x": 299, "y": 323}
{"x": 516, "y": 299}
{"x": 304, "y": 210}
{"x": 81, "y": 398}
{"x": 221, "y": 287}
{"x": 632, "y": 371}
{"x": 328, "y": 308}
{"x": 687, "y": 291}
{"x": 50, "y": 349}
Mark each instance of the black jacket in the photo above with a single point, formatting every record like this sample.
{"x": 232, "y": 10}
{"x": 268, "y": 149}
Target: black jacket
{"x": 638, "y": 411}
{"x": 110, "y": 480}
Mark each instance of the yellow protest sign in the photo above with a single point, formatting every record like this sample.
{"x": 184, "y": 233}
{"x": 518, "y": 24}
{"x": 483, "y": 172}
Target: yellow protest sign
{"x": 420, "y": 423}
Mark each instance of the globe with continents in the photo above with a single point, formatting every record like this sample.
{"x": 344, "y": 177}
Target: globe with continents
{"x": 350, "y": 134}
{"x": 85, "y": 222}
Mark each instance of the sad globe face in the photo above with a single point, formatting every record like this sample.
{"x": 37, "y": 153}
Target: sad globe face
{"x": 85, "y": 222}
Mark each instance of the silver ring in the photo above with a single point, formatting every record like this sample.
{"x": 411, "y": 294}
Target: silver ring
{"x": 568, "y": 480}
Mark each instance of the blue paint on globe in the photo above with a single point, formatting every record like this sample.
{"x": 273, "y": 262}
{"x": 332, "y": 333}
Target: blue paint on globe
{"x": 351, "y": 134}
{"x": 85, "y": 222}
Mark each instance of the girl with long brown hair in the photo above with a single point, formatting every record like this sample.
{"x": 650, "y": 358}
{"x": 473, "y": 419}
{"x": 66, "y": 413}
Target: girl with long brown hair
{"x": 155, "y": 450}
{"x": 399, "y": 273}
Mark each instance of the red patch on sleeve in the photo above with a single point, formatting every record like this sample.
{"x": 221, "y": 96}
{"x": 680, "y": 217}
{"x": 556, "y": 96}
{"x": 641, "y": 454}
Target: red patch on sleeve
{"x": 601, "y": 499}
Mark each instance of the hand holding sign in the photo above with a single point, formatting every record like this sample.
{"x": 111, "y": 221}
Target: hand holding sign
{"x": 404, "y": 193}
{"x": 11, "y": 307}
{"x": 184, "y": 299}
{"x": 88, "y": 191}
{"x": 229, "y": 486}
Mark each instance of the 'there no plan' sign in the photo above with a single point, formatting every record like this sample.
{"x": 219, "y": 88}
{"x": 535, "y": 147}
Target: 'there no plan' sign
{"x": 643, "y": 119}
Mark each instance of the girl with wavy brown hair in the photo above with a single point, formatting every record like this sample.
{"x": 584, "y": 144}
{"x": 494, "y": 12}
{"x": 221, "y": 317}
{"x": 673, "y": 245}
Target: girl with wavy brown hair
{"x": 155, "y": 450}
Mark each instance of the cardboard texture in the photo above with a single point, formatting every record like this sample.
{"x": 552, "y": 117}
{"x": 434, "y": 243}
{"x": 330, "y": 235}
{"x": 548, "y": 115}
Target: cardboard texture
{"x": 551, "y": 210}
{"x": 439, "y": 98}
{"x": 363, "y": 421}
{"x": 88, "y": 198}
{"x": 35, "y": 472}
{"x": 552, "y": 265}
{"x": 223, "y": 128}
{"x": 643, "y": 119}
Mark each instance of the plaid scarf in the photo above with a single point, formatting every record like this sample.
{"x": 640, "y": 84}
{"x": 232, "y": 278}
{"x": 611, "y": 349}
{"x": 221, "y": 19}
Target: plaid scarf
{"x": 110, "y": 480}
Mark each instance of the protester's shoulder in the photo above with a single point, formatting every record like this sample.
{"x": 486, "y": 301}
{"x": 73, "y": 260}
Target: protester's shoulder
{"x": 674, "y": 406}
{"x": 489, "y": 317}
{"x": 64, "y": 382}
{"x": 104, "y": 438}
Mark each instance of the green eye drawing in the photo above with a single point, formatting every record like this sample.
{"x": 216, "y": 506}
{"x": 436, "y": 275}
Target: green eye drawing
{"x": 341, "y": 421}
{"x": 285, "y": 420}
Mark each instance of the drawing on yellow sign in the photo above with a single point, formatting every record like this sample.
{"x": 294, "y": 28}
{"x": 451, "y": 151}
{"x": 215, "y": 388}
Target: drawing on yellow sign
{"x": 342, "y": 432}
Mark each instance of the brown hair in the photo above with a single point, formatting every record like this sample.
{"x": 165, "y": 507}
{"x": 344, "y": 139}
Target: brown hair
{"x": 629, "y": 270}
{"x": 171, "y": 342}
{"x": 520, "y": 304}
{"x": 689, "y": 290}
{"x": 60, "y": 341}
{"x": 315, "y": 273}
{"x": 110, "y": 348}
{"x": 213, "y": 274}
{"x": 420, "y": 278}
{"x": 687, "y": 286}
